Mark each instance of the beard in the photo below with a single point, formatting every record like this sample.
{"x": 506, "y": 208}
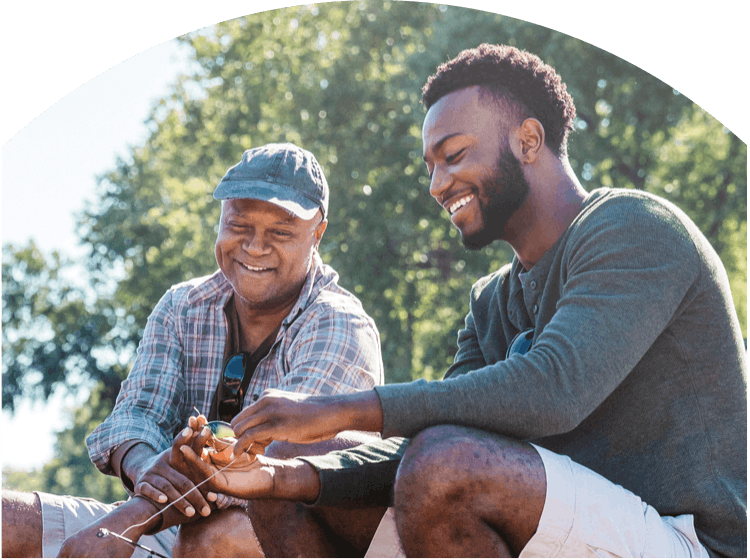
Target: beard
{"x": 500, "y": 196}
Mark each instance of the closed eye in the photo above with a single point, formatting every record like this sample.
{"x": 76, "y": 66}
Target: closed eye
{"x": 453, "y": 157}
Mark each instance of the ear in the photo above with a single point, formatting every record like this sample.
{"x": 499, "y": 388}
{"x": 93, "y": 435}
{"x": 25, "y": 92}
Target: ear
{"x": 319, "y": 231}
{"x": 528, "y": 141}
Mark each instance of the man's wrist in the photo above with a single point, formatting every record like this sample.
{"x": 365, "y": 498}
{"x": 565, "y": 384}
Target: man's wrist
{"x": 295, "y": 480}
{"x": 133, "y": 463}
{"x": 360, "y": 411}
{"x": 135, "y": 517}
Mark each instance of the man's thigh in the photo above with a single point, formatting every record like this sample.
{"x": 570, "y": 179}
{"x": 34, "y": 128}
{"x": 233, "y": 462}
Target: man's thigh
{"x": 63, "y": 516}
{"x": 226, "y": 533}
{"x": 288, "y": 529}
{"x": 586, "y": 515}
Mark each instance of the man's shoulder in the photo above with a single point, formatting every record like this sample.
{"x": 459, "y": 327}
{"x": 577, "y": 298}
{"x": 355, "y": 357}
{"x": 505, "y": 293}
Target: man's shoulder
{"x": 487, "y": 285}
{"x": 331, "y": 298}
{"x": 626, "y": 206}
{"x": 647, "y": 227}
{"x": 636, "y": 216}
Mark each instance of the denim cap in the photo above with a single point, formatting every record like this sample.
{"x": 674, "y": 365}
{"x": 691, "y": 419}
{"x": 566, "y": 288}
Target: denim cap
{"x": 283, "y": 174}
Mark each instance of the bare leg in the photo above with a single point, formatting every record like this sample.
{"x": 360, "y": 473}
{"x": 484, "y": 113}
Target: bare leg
{"x": 22, "y": 525}
{"x": 462, "y": 492}
{"x": 291, "y": 530}
{"x": 224, "y": 534}
{"x": 283, "y": 529}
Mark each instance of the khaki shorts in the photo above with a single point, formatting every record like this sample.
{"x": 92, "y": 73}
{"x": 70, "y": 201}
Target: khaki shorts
{"x": 584, "y": 515}
{"x": 63, "y": 516}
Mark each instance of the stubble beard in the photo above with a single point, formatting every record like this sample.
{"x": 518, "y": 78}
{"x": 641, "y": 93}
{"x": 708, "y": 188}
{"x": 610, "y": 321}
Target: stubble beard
{"x": 504, "y": 193}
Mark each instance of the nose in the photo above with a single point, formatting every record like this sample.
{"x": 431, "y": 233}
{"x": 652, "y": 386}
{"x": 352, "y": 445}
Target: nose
{"x": 254, "y": 243}
{"x": 439, "y": 184}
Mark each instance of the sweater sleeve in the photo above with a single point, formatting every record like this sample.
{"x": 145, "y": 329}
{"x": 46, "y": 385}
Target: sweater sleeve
{"x": 626, "y": 273}
{"x": 362, "y": 476}
{"x": 469, "y": 356}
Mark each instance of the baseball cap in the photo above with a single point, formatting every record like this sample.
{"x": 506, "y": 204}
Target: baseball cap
{"x": 283, "y": 174}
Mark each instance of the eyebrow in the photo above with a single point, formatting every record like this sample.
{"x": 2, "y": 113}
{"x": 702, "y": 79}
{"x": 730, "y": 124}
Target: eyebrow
{"x": 442, "y": 141}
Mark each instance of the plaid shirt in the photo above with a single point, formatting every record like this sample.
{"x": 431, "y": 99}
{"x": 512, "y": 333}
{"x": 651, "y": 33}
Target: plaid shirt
{"x": 327, "y": 344}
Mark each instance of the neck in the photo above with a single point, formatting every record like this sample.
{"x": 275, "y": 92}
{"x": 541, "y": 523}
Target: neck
{"x": 554, "y": 200}
{"x": 257, "y": 324}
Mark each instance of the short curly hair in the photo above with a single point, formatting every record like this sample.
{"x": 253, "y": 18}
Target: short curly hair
{"x": 528, "y": 86}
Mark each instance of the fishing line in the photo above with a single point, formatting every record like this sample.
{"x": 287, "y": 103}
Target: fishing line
{"x": 103, "y": 532}
{"x": 185, "y": 494}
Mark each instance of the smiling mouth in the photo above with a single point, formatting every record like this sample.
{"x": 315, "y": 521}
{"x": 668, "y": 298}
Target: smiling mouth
{"x": 460, "y": 203}
{"x": 255, "y": 268}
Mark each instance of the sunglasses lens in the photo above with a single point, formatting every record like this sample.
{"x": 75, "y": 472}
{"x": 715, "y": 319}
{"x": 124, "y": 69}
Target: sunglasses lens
{"x": 233, "y": 373}
{"x": 521, "y": 343}
{"x": 220, "y": 429}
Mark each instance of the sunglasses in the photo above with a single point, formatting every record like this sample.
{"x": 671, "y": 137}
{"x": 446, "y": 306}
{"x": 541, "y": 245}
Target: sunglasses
{"x": 233, "y": 394}
{"x": 520, "y": 344}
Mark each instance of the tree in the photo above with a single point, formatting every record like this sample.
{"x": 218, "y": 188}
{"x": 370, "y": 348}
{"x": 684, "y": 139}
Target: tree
{"x": 51, "y": 335}
{"x": 343, "y": 80}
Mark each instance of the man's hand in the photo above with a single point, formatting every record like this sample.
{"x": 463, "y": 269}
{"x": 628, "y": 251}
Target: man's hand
{"x": 86, "y": 544}
{"x": 156, "y": 479}
{"x": 248, "y": 476}
{"x": 298, "y": 418}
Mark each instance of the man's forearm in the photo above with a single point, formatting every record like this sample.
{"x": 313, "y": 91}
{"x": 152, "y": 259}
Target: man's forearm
{"x": 358, "y": 411}
{"x": 133, "y": 513}
{"x": 298, "y": 418}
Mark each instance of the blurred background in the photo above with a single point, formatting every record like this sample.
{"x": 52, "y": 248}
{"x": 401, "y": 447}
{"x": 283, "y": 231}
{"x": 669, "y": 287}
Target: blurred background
{"x": 107, "y": 195}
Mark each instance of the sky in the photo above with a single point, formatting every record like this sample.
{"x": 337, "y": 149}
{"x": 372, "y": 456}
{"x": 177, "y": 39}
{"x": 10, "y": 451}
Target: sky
{"x": 57, "y": 157}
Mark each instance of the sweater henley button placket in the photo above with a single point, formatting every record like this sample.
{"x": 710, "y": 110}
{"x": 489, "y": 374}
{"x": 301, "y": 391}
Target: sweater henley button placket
{"x": 533, "y": 284}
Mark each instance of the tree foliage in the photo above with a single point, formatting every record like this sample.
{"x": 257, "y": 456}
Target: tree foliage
{"x": 343, "y": 80}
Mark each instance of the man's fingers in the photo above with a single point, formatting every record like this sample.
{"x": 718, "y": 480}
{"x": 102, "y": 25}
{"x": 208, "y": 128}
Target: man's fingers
{"x": 152, "y": 493}
{"x": 262, "y": 435}
{"x": 248, "y": 441}
{"x": 181, "y": 491}
{"x": 195, "y": 464}
{"x": 195, "y": 423}
{"x": 183, "y": 438}
{"x": 247, "y": 420}
{"x": 258, "y": 448}
{"x": 202, "y": 439}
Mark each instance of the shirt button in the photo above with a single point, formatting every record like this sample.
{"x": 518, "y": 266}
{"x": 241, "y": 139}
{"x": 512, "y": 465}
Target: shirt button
{"x": 255, "y": 397}
{"x": 536, "y": 308}
{"x": 533, "y": 284}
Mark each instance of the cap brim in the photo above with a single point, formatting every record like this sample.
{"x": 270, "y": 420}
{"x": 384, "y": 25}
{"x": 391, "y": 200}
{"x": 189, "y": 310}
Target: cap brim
{"x": 288, "y": 199}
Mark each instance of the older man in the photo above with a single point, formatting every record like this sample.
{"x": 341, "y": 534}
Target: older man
{"x": 272, "y": 316}
{"x": 597, "y": 405}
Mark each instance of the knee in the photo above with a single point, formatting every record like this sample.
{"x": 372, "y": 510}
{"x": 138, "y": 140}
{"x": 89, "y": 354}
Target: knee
{"x": 22, "y": 525}
{"x": 444, "y": 467}
{"x": 211, "y": 537}
{"x": 195, "y": 540}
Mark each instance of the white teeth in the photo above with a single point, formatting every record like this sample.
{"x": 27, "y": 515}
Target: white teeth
{"x": 456, "y": 205}
{"x": 253, "y": 268}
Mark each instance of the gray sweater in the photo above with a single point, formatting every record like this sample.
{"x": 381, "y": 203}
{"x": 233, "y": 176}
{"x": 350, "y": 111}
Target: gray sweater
{"x": 637, "y": 368}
